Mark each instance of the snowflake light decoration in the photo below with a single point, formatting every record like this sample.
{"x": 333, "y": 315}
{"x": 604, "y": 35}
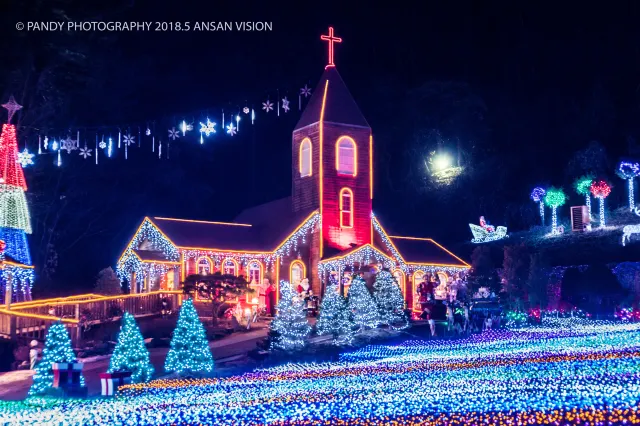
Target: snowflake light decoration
{"x": 102, "y": 144}
{"x": 173, "y": 133}
{"x": 148, "y": 132}
{"x": 25, "y": 158}
{"x": 305, "y": 91}
{"x": 231, "y": 129}
{"x": 69, "y": 145}
{"x": 285, "y": 104}
{"x": 208, "y": 128}
{"x": 45, "y": 142}
{"x": 129, "y": 140}
{"x": 85, "y": 152}
{"x": 267, "y": 106}
{"x": 54, "y": 145}
{"x": 245, "y": 110}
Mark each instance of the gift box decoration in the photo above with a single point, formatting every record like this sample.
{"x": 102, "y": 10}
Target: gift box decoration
{"x": 112, "y": 381}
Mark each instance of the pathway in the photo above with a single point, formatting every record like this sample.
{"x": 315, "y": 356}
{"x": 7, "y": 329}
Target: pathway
{"x": 14, "y": 385}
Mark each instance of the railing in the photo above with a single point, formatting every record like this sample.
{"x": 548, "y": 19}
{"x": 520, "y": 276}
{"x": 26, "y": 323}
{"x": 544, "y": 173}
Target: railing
{"x": 31, "y": 319}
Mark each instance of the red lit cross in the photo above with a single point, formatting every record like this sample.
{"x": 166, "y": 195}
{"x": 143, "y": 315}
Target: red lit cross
{"x": 331, "y": 39}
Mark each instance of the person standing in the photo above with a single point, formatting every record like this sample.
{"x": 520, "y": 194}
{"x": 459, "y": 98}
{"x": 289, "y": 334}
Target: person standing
{"x": 270, "y": 299}
{"x": 33, "y": 354}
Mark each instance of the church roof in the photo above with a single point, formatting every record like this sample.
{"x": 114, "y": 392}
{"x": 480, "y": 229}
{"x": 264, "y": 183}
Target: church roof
{"x": 340, "y": 107}
{"x": 425, "y": 251}
{"x": 151, "y": 256}
{"x": 258, "y": 229}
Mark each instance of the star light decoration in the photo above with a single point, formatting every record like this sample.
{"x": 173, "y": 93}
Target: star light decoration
{"x": 129, "y": 140}
{"x": 267, "y": 106}
{"x": 568, "y": 371}
{"x": 25, "y": 158}
{"x": 285, "y": 104}
{"x": 12, "y": 106}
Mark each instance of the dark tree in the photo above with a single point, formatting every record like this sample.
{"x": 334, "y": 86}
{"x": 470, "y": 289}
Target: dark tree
{"x": 483, "y": 272}
{"x": 538, "y": 281}
{"x": 516, "y": 273}
{"x": 596, "y": 290}
{"x": 218, "y": 288}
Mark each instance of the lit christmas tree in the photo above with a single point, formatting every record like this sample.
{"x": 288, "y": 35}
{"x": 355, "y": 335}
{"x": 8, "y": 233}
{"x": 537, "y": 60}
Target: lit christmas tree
{"x": 130, "y": 353}
{"x": 15, "y": 222}
{"x": 335, "y": 317}
{"x": 57, "y": 348}
{"x": 290, "y": 327}
{"x": 189, "y": 351}
{"x": 362, "y": 305}
{"x": 389, "y": 300}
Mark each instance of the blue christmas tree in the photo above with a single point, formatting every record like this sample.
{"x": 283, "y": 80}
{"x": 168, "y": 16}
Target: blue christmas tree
{"x": 388, "y": 297}
{"x": 189, "y": 351}
{"x": 57, "y": 348}
{"x": 130, "y": 353}
{"x": 335, "y": 317}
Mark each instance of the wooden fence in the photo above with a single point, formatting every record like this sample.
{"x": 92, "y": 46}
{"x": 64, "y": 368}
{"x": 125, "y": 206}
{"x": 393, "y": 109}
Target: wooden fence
{"x": 30, "y": 320}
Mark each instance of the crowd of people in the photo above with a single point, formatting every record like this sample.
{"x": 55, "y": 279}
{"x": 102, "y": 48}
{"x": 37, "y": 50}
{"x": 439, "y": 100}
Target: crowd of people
{"x": 461, "y": 317}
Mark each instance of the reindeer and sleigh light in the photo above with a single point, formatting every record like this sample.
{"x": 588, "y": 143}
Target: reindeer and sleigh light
{"x": 486, "y": 232}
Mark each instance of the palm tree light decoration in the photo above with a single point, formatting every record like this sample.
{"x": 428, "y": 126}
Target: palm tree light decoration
{"x": 628, "y": 171}
{"x": 583, "y": 187}
{"x": 601, "y": 190}
{"x": 537, "y": 195}
{"x": 554, "y": 198}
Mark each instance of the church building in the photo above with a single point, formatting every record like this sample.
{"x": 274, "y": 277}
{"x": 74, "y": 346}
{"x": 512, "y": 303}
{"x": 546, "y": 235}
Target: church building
{"x": 326, "y": 226}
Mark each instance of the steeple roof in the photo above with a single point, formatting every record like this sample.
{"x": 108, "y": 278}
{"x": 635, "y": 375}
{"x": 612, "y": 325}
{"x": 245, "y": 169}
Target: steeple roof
{"x": 340, "y": 107}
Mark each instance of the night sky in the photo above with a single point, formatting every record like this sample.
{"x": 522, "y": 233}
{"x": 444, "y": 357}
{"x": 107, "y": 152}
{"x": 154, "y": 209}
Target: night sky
{"x": 514, "y": 89}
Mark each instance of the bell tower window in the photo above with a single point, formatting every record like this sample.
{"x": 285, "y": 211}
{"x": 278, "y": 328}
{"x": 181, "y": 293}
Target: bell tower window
{"x": 346, "y": 156}
{"x": 305, "y": 158}
{"x": 346, "y": 208}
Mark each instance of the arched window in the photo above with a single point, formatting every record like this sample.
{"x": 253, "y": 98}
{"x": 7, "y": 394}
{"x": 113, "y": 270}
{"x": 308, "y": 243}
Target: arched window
{"x": 399, "y": 276}
{"x": 305, "y": 157}
{"x": 204, "y": 266}
{"x": 346, "y": 208}
{"x": 297, "y": 272}
{"x": 254, "y": 273}
{"x": 230, "y": 267}
{"x": 346, "y": 156}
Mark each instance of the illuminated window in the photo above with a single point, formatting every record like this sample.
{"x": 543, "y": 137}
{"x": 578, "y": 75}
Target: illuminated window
{"x": 346, "y": 208}
{"x": 305, "y": 158}
{"x": 296, "y": 273}
{"x": 204, "y": 266}
{"x": 346, "y": 156}
{"x": 229, "y": 267}
{"x": 255, "y": 273}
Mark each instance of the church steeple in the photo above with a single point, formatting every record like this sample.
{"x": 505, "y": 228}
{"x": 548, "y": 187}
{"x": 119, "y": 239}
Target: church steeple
{"x": 339, "y": 105}
{"x": 333, "y": 163}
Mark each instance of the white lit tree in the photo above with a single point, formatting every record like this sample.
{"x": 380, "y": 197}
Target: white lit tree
{"x": 130, "y": 353}
{"x": 389, "y": 300}
{"x": 335, "y": 317}
{"x": 189, "y": 350}
{"x": 290, "y": 328}
{"x": 362, "y": 305}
